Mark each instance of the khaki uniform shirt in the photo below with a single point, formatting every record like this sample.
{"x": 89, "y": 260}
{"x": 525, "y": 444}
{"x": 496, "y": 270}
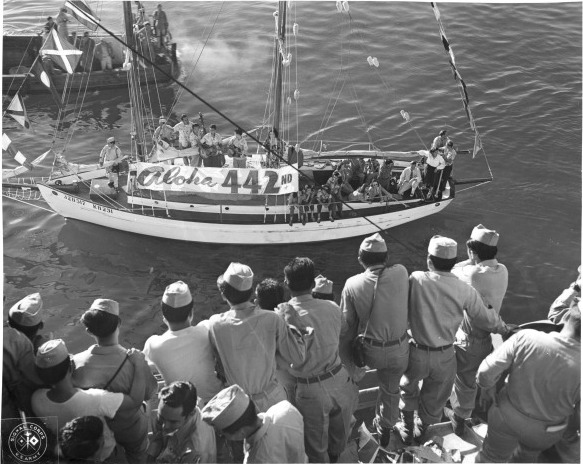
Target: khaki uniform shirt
{"x": 388, "y": 318}
{"x": 544, "y": 379}
{"x": 437, "y": 301}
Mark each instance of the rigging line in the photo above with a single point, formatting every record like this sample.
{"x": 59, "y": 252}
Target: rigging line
{"x": 226, "y": 118}
{"x": 180, "y": 92}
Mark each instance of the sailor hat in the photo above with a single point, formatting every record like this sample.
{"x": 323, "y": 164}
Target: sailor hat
{"x": 225, "y": 407}
{"x": 108, "y": 306}
{"x": 27, "y": 312}
{"x": 442, "y": 247}
{"x": 375, "y": 244}
{"x": 51, "y": 353}
{"x": 323, "y": 285}
{"x": 485, "y": 236}
{"x": 111, "y": 139}
{"x": 239, "y": 276}
{"x": 177, "y": 295}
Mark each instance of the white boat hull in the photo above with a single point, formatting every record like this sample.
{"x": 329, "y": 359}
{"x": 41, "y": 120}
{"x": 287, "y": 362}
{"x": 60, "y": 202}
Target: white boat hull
{"x": 74, "y": 207}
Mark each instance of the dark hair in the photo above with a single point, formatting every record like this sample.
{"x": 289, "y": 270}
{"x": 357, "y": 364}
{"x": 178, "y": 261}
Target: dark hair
{"x": 371, "y": 258}
{"x": 179, "y": 394}
{"x": 100, "y": 323}
{"x": 275, "y": 131}
{"x": 389, "y": 161}
{"x": 270, "y": 293}
{"x": 233, "y": 295}
{"x": 249, "y": 417}
{"x": 79, "y": 438}
{"x": 177, "y": 315}
{"x": 442, "y": 264}
{"x": 29, "y": 331}
{"x": 213, "y": 126}
{"x": 323, "y": 296}
{"x": 54, "y": 374}
{"x": 238, "y": 131}
{"x": 300, "y": 274}
{"x": 184, "y": 115}
{"x": 483, "y": 251}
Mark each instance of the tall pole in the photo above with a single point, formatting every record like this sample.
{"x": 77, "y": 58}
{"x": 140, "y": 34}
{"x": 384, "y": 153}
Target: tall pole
{"x": 137, "y": 129}
{"x": 279, "y": 63}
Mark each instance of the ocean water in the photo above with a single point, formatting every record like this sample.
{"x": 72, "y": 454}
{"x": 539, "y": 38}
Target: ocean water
{"x": 521, "y": 63}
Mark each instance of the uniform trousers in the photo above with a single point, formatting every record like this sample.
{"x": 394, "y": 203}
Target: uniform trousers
{"x": 469, "y": 352}
{"x": 514, "y": 436}
{"x": 133, "y": 438}
{"x": 327, "y": 408}
{"x": 437, "y": 370}
{"x": 273, "y": 394}
{"x": 391, "y": 363}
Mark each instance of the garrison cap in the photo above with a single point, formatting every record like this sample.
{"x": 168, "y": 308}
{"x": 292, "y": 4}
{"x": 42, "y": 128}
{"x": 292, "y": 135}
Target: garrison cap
{"x": 177, "y": 295}
{"x": 375, "y": 244}
{"x": 239, "y": 276}
{"x": 27, "y": 312}
{"x": 485, "y": 236}
{"x": 323, "y": 285}
{"x": 225, "y": 407}
{"x": 442, "y": 247}
{"x": 108, "y": 306}
{"x": 51, "y": 354}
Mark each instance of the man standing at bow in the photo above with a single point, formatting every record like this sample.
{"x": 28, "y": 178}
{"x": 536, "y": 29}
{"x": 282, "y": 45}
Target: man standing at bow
{"x": 111, "y": 152}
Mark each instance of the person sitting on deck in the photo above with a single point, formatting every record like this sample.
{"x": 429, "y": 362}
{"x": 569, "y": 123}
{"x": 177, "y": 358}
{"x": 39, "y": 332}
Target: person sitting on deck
{"x": 184, "y": 130}
{"x": 385, "y": 174}
{"x": 306, "y": 198}
{"x": 212, "y": 151}
{"x": 410, "y": 179}
{"x": 164, "y": 132}
{"x": 237, "y": 147}
{"x": 323, "y": 198}
{"x": 375, "y": 192}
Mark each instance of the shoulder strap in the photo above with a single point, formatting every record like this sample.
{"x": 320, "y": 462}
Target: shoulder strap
{"x": 374, "y": 294}
{"x": 116, "y": 372}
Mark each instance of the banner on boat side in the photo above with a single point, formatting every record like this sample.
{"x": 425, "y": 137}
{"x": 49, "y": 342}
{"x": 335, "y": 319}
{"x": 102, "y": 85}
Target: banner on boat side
{"x": 166, "y": 177}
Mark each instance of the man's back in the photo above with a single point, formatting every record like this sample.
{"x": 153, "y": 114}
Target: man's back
{"x": 185, "y": 355}
{"x": 280, "y": 438}
{"x": 544, "y": 373}
{"x": 322, "y": 348}
{"x": 247, "y": 341}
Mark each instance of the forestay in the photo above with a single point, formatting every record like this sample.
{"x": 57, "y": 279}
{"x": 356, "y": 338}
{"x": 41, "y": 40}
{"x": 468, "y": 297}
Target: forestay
{"x": 166, "y": 177}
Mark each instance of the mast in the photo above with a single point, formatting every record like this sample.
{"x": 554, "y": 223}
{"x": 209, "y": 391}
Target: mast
{"x": 279, "y": 50}
{"x": 137, "y": 129}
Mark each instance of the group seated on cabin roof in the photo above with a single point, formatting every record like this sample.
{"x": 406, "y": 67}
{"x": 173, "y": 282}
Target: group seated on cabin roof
{"x": 241, "y": 208}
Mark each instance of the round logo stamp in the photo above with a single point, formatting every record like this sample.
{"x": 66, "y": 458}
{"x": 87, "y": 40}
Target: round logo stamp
{"x": 27, "y": 442}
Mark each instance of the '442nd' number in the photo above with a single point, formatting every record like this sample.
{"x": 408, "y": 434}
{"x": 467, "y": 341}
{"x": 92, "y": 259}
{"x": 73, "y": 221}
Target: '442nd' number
{"x": 252, "y": 182}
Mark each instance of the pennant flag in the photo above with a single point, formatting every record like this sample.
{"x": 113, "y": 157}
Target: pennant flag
{"x": 64, "y": 54}
{"x": 17, "y": 110}
{"x": 82, "y": 13}
{"x": 39, "y": 72}
{"x": 9, "y": 147}
{"x": 477, "y": 145}
{"x": 435, "y": 10}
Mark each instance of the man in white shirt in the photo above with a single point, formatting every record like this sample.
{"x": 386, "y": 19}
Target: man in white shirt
{"x": 211, "y": 145}
{"x": 433, "y": 175}
{"x": 184, "y": 352}
{"x": 184, "y": 130}
{"x": 111, "y": 154}
{"x": 66, "y": 402}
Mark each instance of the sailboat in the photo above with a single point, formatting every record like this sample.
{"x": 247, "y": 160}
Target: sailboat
{"x": 21, "y": 52}
{"x": 261, "y": 203}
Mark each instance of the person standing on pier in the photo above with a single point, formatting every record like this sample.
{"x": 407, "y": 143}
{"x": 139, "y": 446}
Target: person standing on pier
{"x": 375, "y": 303}
{"x": 437, "y": 302}
{"x": 490, "y": 278}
